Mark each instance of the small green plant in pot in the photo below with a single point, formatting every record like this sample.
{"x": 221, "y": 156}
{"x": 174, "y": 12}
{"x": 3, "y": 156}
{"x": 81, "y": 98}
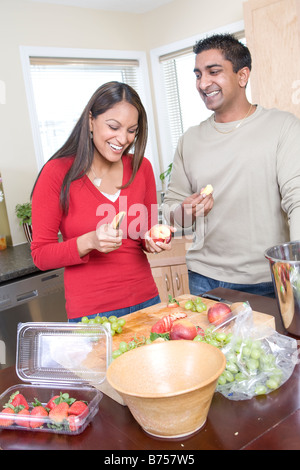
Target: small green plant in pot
{"x": 23, "y": 212}
{"x": 165, "y": 178}
{"x": 166, "y": 174}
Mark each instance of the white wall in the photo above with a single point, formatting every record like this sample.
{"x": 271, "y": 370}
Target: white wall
{"x": 27, "y": 23}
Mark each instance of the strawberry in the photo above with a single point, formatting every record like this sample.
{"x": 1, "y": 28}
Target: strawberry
{"x": 200, "y": 331}
{"x": 51, "y": 403}
{"x": 59, "y": 413}
{"x": 77, "y": 408}
{"x": 17, "y": 399}
{"x": 165, "y": 323}
{"x": 73, "y": 423}
{"x": 158, "y": 327}
{"x": 6, "y": 417}
{"x": 172, "y": 302}
{"x": 21, "y": 422}
{"x": 38, "y": 411}
{"x": 177, "y": 315}
{"x": 57, "y": 399}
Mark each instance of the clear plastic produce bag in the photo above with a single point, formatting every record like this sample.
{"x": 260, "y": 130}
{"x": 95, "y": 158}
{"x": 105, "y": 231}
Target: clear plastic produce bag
{"x": 259, "y": 360}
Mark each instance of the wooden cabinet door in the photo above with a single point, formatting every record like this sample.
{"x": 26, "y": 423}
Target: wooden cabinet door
{"x": 171, "y": 280}
{"x": 163, "y": 279}
{"x": 169, "y": 269}
{"x": 272, "y": 29}
{"x": 180, "y": 280}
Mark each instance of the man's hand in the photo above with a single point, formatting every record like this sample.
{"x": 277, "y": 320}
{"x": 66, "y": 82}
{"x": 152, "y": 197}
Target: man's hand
{"x": 196, "y": 205}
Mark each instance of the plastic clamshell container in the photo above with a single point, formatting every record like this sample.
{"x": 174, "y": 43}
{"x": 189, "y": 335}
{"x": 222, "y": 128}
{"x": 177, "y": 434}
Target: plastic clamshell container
{"x": 59, "y": 357}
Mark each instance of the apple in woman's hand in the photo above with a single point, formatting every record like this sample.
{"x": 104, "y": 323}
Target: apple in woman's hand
{"x": 160, "y": 233}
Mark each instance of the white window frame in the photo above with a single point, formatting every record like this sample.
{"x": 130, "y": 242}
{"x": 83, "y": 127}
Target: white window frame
{"x": 158, "y": 81}
{"x": 31, "y": 51}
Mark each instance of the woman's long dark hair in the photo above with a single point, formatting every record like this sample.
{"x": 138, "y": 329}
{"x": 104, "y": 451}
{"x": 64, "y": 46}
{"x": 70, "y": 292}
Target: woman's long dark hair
{"x": 80, "y": 145}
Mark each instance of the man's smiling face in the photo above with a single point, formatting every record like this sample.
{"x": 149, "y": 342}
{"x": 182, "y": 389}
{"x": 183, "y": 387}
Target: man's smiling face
{"x": 216, "y": 82}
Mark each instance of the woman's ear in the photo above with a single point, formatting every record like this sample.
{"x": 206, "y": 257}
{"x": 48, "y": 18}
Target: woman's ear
{"x": 243, "y": 75}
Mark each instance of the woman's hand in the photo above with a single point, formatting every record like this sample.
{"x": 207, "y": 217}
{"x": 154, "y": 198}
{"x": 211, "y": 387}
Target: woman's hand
{"x": 105, "y": 239}
{"x": 108, "y": 238}
{"x": 157, "y": 247}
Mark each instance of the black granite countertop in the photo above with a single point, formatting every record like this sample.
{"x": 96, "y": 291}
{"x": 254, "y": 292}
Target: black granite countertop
{"x": 15, "y": 262}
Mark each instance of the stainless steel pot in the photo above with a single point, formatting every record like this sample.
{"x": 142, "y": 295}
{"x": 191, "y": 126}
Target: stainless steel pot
{"x": 285, "y": 270}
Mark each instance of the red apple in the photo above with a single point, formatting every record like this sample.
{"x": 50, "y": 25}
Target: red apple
{"x": 183, "y": 329}
{"x": 218, "y": 313}
{"x": 160, "y": 233}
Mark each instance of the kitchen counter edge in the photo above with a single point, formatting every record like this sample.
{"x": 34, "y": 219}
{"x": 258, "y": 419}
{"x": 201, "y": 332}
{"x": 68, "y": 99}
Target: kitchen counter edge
{"x": 16, "y": 262}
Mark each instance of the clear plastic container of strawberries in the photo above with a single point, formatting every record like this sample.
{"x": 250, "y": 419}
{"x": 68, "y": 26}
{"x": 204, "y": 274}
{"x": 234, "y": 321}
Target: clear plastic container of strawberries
{"x": 60, "y": 365}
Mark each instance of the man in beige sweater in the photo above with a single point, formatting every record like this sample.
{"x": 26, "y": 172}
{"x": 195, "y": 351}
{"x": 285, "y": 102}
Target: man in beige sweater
{"x": 251, "y": 157}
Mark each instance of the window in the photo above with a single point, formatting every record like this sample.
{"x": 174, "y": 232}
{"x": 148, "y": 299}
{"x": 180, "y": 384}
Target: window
{"x": 183, "y": 104}
{"x": 178, "y": 102}
{"x": 62, "y": 87}
{"x": 60, "y": 83}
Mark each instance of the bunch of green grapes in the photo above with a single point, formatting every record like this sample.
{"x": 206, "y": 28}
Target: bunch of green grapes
{"x": 132, "y": 344}
{"x": 116, "y": 324}
{"x": 195, "y": 305}
{"x": 215, "y": 338}
{"x": 247, "y": 360}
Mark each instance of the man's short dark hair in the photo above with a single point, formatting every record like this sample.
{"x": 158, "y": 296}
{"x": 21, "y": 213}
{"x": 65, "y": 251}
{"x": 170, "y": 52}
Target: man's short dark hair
{"x": 232, "y": 49}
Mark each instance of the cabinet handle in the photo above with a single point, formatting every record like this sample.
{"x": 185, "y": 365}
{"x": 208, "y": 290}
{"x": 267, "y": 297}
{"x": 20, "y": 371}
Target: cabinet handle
{"x": 177, "y": 278}
{"x": 167, "y": 282}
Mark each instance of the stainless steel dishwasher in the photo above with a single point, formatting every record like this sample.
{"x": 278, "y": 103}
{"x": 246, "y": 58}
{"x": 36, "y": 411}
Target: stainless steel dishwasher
{"x": 38, "y": 297}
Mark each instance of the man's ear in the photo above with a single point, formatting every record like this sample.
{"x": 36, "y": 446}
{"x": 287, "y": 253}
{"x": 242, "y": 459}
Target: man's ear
{"x": 243, "y": 76}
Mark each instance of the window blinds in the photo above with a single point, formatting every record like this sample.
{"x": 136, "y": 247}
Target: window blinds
{"x": 62, "y": 87}
{"x": 183, "y": 104}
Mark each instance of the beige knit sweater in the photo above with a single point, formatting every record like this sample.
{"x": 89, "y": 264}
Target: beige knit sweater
{"x": 255, "y": 172}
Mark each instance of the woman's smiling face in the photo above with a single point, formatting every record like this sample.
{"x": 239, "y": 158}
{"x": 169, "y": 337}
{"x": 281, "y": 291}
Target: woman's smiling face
{"x": 114, "y": 130}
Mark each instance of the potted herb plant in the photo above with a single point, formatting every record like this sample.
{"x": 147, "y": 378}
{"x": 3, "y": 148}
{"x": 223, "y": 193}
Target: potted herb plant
{"x": 165, "y": 178}
{"x": 23, "y": 212}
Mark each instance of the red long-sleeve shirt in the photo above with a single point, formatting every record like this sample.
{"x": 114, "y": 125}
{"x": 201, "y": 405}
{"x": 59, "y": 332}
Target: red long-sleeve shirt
{"x": 97, "y": 282}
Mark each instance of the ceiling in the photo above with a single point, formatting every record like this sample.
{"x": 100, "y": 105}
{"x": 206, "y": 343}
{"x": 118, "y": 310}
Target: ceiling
{"x": 131, "y": 6}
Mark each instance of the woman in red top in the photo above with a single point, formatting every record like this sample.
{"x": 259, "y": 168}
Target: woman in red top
{"x": 80, "y": 190}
